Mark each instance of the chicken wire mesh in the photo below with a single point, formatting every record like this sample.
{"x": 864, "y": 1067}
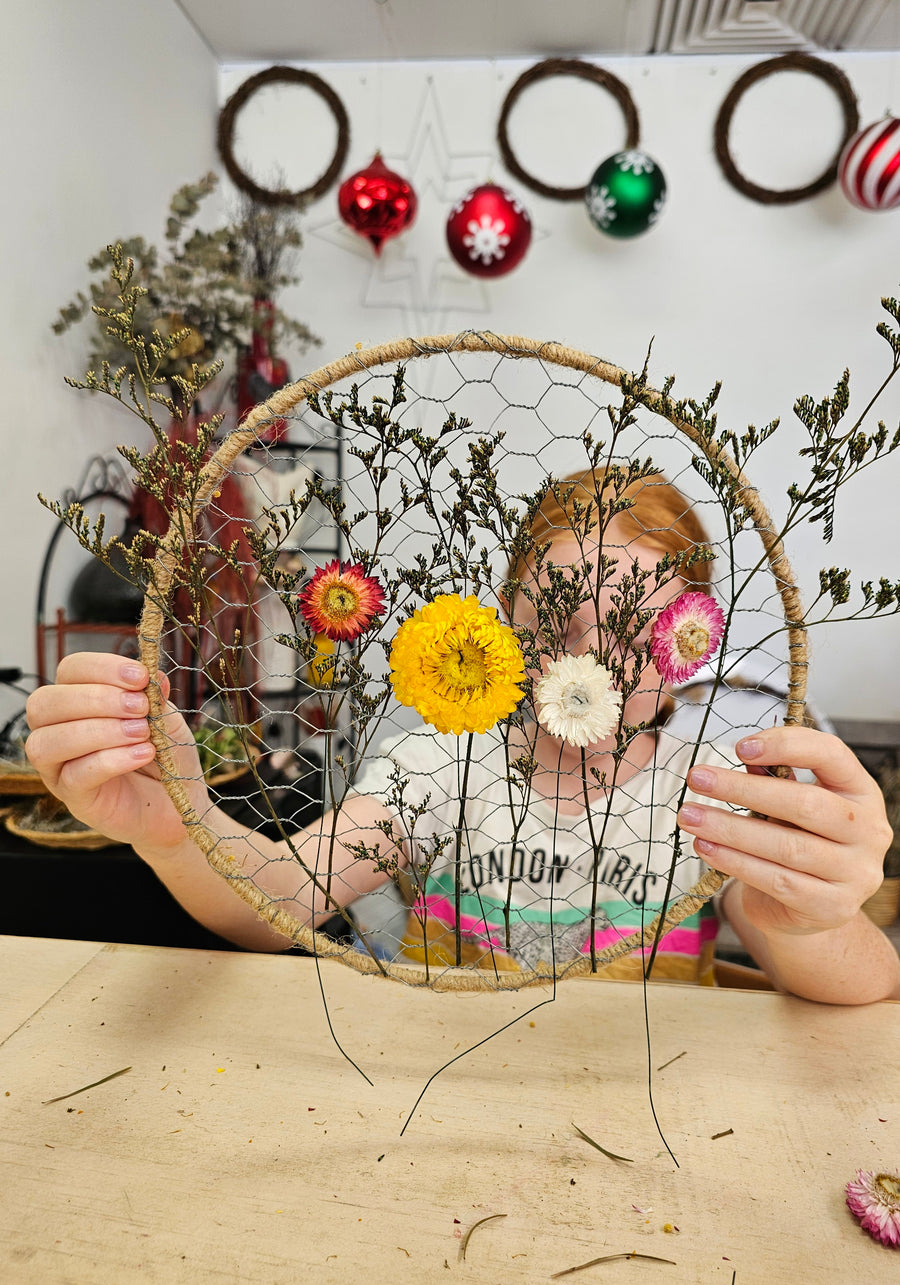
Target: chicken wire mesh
{"x": 448, "y": 852}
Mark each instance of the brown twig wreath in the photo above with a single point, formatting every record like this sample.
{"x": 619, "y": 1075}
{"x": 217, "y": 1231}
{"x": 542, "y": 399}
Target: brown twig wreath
{"x": 240, "y": 98}
{"x": 563, "y": 67}
{"x": 826, "y": 71}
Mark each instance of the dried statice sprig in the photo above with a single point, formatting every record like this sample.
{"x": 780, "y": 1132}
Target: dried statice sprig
{"x": 170, "y": 472}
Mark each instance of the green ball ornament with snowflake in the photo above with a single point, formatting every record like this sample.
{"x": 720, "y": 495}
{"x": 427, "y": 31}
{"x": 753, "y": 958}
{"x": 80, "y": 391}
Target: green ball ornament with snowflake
{"x": 626, "y": 194}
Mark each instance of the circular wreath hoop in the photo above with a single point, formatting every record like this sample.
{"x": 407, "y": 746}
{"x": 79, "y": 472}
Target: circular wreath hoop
{"x": 240, "y": 98}
{"x": 563, "y": 67}
{"x": 180, "y": 534}
{"x": 833, "y": 76}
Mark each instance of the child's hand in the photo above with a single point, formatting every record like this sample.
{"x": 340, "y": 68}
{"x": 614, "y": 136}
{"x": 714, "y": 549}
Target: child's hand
{"x": 818, "y": 856}
{"x": 90, "y": 741}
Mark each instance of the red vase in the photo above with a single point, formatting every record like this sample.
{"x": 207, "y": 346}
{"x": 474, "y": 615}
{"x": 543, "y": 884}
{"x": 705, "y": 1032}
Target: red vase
{"x": 260, "y": 374}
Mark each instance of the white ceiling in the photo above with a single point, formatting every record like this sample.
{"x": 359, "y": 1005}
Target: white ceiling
{"x": 342, "y": 30}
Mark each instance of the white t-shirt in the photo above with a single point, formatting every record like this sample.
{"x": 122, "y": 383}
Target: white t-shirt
{"x": 527, "y": 882}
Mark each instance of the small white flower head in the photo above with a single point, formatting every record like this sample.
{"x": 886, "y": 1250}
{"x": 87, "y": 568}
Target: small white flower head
{"x": 576, "y": 700}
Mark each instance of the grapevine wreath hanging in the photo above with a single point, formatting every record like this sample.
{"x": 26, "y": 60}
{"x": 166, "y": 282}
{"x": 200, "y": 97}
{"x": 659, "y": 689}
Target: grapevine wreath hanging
{"x": 627, "y": 190}
{"x": 563, "y": 67}
{"x": 825, "y": 71}
{"x": 228, "y": 118}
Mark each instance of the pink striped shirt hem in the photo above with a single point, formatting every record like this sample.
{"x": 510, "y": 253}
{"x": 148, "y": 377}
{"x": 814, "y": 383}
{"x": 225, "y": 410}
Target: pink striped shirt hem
{"x": 680, "y": 941}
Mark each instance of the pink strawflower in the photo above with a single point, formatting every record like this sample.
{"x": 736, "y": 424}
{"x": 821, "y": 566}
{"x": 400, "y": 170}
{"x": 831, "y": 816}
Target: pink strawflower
{"x": 875, "y": 1199}
{"x": 685, "y": 635}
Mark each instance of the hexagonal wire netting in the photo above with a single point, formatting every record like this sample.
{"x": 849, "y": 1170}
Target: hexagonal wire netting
{"x": 423, "y": 461}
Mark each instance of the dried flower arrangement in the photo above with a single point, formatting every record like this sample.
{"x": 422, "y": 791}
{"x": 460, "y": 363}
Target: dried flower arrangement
{"x": 194, "y": 304}
{"x": 164, "y": 324}
{"x": 430, "y": 610}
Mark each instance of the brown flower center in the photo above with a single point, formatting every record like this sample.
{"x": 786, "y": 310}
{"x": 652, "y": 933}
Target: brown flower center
{"x": 692, "y": 640}
{"x": 340, "y": 602}
{"x": 464, "y": 667}
{"x": 888, "y": 1185}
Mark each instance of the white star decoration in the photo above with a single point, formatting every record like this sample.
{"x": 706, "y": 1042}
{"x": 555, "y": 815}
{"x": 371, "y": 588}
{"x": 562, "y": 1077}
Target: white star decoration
{"x": 415, "y": 275}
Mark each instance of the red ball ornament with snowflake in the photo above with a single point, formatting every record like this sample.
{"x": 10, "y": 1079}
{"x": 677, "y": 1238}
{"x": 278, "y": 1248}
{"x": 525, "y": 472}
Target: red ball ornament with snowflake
{"x": 377, "y": 203}
{"x": 869, "y": 168}
{"x": 488, "y": 231}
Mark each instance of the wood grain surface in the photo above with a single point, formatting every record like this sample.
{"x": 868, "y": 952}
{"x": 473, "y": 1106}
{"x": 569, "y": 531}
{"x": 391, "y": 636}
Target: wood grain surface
{"x": 241, "y": 1146}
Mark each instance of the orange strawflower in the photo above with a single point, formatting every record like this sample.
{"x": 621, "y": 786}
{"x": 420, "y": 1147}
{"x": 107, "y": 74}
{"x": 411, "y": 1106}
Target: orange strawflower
{"x": 341, "y": 601}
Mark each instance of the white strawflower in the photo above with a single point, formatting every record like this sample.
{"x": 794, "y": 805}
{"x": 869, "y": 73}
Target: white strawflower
{"x": 576, "y": 700}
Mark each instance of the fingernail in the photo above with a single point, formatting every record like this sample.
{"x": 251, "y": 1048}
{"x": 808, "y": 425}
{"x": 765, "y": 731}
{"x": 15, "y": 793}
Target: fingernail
{"x": 134, "y": 702}
{"x": 132, "y": 673}
{"x": 135, "y": 726}
{"x": 145, "y": 751}
{"x": 701, "y": 778}
{"x": 749, "y": 749}
{"x": 691, "y": 815}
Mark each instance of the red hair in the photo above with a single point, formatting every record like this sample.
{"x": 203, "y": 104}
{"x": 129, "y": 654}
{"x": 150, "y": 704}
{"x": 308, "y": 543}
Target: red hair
{"x": 658, "y": 515}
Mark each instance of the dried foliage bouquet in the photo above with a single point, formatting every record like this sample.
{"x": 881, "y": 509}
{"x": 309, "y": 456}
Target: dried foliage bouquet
{"x": 164, "y": 324}
{"x": 193, "y": 304}
{"x": 456, "y": 596}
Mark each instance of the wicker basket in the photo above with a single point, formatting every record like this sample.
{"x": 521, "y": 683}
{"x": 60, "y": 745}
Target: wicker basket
{"x": 45, "y": 823}
{"x": 20, "y": 778}
{"x": 884, "y": 905}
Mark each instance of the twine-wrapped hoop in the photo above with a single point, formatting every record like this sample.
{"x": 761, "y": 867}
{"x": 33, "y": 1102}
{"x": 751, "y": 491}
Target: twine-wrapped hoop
{"x": 279, "y": 405}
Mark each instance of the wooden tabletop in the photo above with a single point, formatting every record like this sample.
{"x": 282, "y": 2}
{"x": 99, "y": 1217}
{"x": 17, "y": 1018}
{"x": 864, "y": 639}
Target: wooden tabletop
{"x": 242, "y": 1146}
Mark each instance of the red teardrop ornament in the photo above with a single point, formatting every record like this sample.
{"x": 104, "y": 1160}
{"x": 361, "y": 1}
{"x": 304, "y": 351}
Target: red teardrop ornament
{"x": 377, "y": 202}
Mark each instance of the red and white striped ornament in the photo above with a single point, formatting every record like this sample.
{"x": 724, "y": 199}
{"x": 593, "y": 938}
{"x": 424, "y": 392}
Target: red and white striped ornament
{"x": 869, "y": 168}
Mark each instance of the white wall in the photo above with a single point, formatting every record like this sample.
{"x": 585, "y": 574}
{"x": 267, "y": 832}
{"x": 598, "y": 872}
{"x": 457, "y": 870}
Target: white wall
{"x": 774, "y": 301}
{"x": 107, "y": 109}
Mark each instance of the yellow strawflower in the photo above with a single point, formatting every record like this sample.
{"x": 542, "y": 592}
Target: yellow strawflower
{"x": 457, "y": 665}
